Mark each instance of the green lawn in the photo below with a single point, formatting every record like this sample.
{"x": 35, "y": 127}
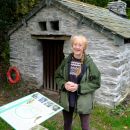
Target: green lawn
{"x": 101, "y": 119}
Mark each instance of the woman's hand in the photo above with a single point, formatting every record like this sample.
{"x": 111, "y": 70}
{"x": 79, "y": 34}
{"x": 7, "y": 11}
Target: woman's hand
{"x": 70, "y": 86}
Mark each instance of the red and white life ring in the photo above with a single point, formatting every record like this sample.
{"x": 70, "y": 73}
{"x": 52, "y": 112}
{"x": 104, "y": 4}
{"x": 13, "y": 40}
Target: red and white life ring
{"x": 14, "y": 70}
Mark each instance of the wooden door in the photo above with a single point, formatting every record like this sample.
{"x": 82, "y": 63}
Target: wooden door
{"x": 52, "y": 57}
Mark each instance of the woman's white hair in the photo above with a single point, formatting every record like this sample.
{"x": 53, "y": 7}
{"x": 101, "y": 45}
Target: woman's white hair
{"x": 82, "y": 39}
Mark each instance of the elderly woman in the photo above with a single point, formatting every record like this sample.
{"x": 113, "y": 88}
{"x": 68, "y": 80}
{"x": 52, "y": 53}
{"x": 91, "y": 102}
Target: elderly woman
{"x": 77, "y": 78}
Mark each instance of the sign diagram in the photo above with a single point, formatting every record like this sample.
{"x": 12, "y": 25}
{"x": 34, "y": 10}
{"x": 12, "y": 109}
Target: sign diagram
{"x": 29, "y": 111}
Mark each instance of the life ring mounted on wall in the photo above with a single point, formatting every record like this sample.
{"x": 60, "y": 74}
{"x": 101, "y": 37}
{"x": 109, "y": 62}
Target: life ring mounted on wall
{"x": 13, "y": 75}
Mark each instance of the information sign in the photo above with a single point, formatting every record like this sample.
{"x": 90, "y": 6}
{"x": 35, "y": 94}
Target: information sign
{"x": 29, "y": 111}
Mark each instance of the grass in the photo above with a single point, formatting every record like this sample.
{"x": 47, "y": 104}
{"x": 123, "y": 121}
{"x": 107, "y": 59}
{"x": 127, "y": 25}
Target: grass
{"x": 106, "y": 119}
{"x": 101, "y": 119}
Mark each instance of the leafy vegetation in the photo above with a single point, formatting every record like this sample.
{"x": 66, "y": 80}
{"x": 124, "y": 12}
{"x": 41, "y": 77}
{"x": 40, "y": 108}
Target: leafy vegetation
{"x": 10, "y": 12}
{"x": 128, "y": 12}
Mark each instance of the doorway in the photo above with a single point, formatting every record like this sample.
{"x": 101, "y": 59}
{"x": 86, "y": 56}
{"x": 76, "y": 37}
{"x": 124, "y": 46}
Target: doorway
{"x": 52, "y": 57}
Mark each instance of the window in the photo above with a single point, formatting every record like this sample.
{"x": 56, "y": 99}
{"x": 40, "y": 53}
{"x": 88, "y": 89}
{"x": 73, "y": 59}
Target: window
{"x": 126, "y": 41}
{"x": 54, "y": 25}
{"x": 43, "y": 26}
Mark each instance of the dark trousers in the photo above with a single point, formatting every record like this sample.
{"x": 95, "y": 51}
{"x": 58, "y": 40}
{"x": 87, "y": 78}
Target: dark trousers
{"x": 68, "y": 118}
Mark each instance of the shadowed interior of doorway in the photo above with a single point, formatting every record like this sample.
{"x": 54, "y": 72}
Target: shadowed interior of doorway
{"x": 52, "y": 57}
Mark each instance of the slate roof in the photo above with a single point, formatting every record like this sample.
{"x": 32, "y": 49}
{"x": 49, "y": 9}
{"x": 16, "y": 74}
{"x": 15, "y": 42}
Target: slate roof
{"x": 97, "y": 15}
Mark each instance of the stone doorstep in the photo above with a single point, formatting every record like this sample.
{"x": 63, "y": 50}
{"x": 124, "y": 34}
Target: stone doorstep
{"x": 38, "y": 127}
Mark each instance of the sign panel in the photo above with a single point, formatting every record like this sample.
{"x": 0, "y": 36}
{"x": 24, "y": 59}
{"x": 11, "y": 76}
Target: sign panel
{"x": 29, "y": 111}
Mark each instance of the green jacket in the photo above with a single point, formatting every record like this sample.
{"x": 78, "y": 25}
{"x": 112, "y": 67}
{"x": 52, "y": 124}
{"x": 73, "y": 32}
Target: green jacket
{"x": 90, "y": 81}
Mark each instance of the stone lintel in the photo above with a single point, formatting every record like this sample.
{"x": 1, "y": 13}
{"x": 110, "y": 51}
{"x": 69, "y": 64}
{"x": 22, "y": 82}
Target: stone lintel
{"x": 51, "y": 37}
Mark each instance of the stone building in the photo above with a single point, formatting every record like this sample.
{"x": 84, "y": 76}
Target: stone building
{"x": 39, "y": 42}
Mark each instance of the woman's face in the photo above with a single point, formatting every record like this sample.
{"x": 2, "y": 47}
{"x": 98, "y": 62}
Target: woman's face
{"x": 78, "y": 47}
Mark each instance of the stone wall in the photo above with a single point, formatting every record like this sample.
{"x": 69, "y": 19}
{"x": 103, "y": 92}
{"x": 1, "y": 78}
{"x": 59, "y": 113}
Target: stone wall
{"x": 113, "y": 61}
{"x": 26, "y": 53}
